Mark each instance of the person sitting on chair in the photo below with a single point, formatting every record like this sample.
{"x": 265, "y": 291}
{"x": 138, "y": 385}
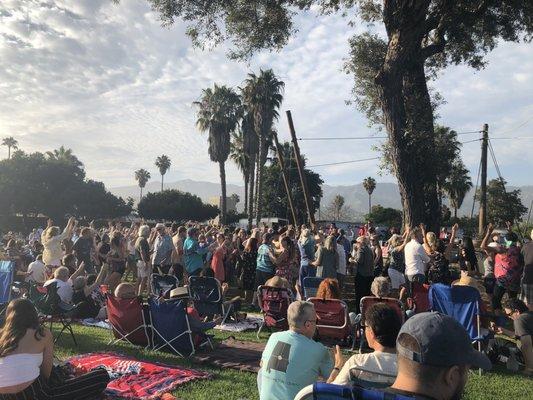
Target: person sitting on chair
{"x": 125, "y": 291}
{"x": 434, "y": 356}
{"x": 382, "y": 325}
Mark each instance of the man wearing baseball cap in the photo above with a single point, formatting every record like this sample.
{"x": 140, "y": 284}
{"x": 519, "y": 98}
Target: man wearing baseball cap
{"x": 434, "y": 356}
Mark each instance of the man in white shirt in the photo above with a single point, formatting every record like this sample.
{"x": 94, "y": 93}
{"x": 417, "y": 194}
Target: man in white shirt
{"x": 416, "y": 259}
{"x": 64, "y": 282}
{"x": 37, "y": 271}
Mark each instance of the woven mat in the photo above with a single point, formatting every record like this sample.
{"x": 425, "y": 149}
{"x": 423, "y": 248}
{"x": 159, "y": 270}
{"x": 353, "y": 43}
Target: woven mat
{"x": 234, "y": 354}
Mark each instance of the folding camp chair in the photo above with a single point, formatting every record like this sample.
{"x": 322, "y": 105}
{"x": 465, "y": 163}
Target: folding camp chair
{"x": 333, "y": 322}
{"x": 170, "y": 326}
{"x": 274, "y": 303}
{"x": 419, "y": 297}
{"x": 161, "y": 285}
{"x": 329, "y": 391}
{"x": 462, "y": 303}
{"x": 51, "y": 309}
{"x": 7, "y": 273}
{"x": 128, "y": 320}
{"x": 372, "y": 379}
{"x": 366, "y": 302}
{"x": 311, "y": 285}
{"x": 206, "y": 294}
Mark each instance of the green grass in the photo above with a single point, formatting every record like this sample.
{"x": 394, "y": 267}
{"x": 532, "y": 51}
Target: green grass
{"x": 229, "y": 384}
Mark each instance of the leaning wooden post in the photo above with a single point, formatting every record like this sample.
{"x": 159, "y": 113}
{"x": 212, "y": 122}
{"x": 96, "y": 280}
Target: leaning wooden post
{"x": 279, "y": 150}
{"x": 300, "y": 166}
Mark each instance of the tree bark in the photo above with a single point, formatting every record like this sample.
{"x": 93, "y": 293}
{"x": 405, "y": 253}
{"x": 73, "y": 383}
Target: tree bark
{"x": 223, "y": 188}
{"x": 246, "y": 179}
{"x": 259, "y": 192}
{"x": 408, "y": 113}
{"x": 141, "y": 197}
{"x": 369, "y": 203}
{"x": 162, "y": 182}
{"x": 251, "y": 188}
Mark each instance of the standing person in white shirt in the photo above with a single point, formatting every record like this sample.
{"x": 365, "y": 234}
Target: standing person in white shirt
{"x": 416, "y": 259}
{"x": 37, "y": 271}
{"x": 341, "y": 267}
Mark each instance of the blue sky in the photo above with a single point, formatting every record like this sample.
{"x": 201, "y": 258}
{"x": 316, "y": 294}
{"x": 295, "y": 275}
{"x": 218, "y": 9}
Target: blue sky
{"x": 109, "y": 82}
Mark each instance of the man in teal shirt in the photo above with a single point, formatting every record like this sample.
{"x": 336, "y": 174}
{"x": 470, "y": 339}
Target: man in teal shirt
{"x": 192, "y": 253}
{"x": 292, "y": 359}
{"x": 264, "y": 266}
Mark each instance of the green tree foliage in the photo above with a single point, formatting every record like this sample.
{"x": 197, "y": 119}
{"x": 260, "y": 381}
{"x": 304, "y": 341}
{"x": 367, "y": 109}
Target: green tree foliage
{"x": 337, "y": 210}
{"x": 219, "y": 111}
{"x": 391, "y": 73}
{"x": 370, "y": 185}
{"x": 163, "y": 164}
{"x": 275, "y": 196}
{"x": 503, "y": 206}
{"x": 142, "y": 177}
{"x": 457, "y": 185}
{"x": 173, "y": 205}
{"x": 11, "y": 143}
{"x": 385, "y": 216}
{"x": 37, "y": 183}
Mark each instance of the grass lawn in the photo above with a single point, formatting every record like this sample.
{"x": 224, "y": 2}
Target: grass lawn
{"x": 229, "y": 384}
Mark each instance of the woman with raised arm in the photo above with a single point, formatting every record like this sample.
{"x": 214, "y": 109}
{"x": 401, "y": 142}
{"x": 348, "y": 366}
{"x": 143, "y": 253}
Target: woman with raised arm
{"x": 51, "y": 239}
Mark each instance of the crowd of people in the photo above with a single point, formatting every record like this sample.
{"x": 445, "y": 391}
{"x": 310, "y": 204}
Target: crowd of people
{"x": 86, "y": 262}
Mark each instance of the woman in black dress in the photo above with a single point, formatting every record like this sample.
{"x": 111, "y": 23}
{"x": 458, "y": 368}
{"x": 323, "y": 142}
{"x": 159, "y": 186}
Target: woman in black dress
{"x": 247, "y": 266}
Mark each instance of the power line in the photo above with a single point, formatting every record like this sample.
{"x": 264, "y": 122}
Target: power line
{"x": 514, "y": 137}
{"x": 471, "y": 141}
{"x": 345, "y": 138}
{"x": 343, "y": 162}
{"x": 467, "y": 133}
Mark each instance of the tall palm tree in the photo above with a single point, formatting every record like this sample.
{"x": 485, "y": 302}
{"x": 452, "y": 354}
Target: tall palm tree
{"x": 369, "y": 184}
{"x": 11, "y": 143}
{"x": 457, "y": 186}
{"x": 262, "y": 95}
{"x": 338, "y": 203}
{"x": 163, "y": 163}
{"x": 239, "y": 156}
{"x": 142, "y": 177}
{"x": 251, "y": 148}
{"x": 219, "y": 111}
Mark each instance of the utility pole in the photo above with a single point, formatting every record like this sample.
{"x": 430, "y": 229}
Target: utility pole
{"x": 483, "y": 197}
{"x": 299, "y": 164}
{"x": 279, "y": 150}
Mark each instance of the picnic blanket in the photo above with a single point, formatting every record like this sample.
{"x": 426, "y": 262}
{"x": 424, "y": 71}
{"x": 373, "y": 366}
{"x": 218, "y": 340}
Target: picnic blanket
{"x": 235, "y": 354}
{"x": 96, "y": 322}
{"x": 133, "y": 379}
{"x": 250, "y": 323}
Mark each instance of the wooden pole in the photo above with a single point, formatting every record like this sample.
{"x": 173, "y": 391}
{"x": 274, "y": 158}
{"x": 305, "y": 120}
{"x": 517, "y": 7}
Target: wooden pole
{"x": 299, "y": 164}
{"x": 483, "y": 197}
{"x": 279, "y": 151}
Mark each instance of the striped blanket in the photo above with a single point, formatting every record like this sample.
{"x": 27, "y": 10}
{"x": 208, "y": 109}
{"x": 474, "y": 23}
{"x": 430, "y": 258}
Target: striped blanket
{"x": 134, "y": 379}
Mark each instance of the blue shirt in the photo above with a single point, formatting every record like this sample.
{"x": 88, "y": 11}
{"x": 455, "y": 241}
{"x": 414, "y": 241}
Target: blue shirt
{"x": 264, "y": 263}
{"x": 192, "y": 255}
{"x": 290, "y": 362}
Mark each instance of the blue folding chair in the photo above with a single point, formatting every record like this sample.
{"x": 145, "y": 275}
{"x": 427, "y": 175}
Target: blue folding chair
{"x": 329, "y": 391}
{"x": 311, "y": 284}
{"x": 161, "y": 285}
{"x": 462, "y": 303}
{"x": 7, "y": 274}
{"x": 206, "y": 294}
{"x": 170, "y": 327}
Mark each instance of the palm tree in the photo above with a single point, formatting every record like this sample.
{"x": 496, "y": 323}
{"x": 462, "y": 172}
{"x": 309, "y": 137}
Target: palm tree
{"x": 163, "y": 163}
{"x": 369, "y": 184}
{"x": 64, "y": 155}
{"x": 11, "y": 143}
{"x": 457, "y": 186}
{"x": 142, "y": 177}
{"x": 338, "y": 203}
{"x": 219, "y": 111}
{"x": 239, "y": 156}
{"x": 251, "y": 148}
{"x": 262, "y": 95}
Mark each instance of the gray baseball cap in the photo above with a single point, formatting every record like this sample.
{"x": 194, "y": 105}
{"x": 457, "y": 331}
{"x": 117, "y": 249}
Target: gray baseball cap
{"x": 442, "y": 340}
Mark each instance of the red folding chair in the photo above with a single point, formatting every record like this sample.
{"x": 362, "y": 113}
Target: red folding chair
{"x": 274, "y": 303}
{"x": 333, "y": 322}
{"x": 368, "y": 301}
{"x": 127, "y": 319}
{"x": 419, "y": 297}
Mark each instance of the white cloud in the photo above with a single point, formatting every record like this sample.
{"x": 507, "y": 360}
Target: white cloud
{"x": 108, "y": 81}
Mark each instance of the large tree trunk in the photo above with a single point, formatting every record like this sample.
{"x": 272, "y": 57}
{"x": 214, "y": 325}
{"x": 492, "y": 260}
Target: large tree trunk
{"x": 246, "y": 179}
{"x": 223, "y": 188}
{"x": 251, "y": 187}
{"x": 259, "y": 193}
{"x": 408, "y": 114}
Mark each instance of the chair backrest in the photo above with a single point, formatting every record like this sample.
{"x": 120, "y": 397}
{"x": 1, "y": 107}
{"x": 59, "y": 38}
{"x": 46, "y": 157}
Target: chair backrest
{"x": 126, "y": 316}
{"x": 7, "y": 273}
{"x": 162, "y": 284}
{"x": 420, "y": 296}
{"x": 459, "y": 302}
{"x": 170, "y": 326}
{"x": 206, "y": 293}
{"x": 367, "y": 301}
{"x": 311, "y": 285}
{"x": 45, "y": 299}
{"x": 370, "y": 379}
{"x": 332, "y": 318}
{"x": 329, "y": 391}
{"x": 274, "y": 303}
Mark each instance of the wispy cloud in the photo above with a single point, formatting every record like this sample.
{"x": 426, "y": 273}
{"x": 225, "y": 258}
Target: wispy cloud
{"x": 108, "y": 81}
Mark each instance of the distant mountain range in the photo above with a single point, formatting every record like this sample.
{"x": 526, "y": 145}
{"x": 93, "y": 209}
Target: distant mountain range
{"x": 355, "y": 196}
